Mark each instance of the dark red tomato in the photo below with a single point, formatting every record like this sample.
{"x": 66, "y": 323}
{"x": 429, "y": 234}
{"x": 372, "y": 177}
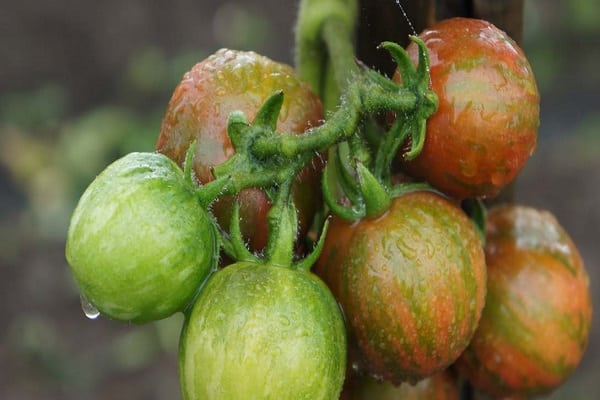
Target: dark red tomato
{"x": 536, "y": 321}
{"x": 441, "y": 386}
{"x": 198, "y": 110}
{"x": 485, "y": 127}
{"x": 411, "y": 283}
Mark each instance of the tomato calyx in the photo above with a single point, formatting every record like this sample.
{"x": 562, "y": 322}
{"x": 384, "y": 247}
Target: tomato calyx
{"x": 356, "y": 185}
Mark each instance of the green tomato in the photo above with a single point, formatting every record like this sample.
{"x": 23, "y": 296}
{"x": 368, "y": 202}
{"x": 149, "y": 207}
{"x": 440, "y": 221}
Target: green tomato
{"x": 140, "y": 244}
{"x": 263, "y": 332}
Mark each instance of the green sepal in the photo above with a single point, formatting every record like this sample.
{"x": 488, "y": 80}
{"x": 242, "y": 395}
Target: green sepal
{"x": 268, "y": 113}
{"x": 388, "y": 149}
{"x": 234, "y": 245}
{"x": 344, "y": 172}
{"x": 237, "y": 127}
{"x": 403, "y": 61}
{"x": 423, "y": 66}
{"x": 418, "y": 140}
{"x": 384, "y": 82}
{"x": 329, "y": 186}
{"x": 307, "y": 262}
{"x": 375, "y": 195}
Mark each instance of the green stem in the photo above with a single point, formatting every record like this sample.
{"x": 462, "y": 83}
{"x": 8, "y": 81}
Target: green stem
{"x": 363, "y": 97}
{"x": 341, "y": 66}
{"x": 283, "y": 223}
{"x": 324, "y": 46}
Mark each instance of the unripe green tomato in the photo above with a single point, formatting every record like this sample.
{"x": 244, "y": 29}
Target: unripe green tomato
{"x": 263, "y": 332}
{"x": 140, "y": 244}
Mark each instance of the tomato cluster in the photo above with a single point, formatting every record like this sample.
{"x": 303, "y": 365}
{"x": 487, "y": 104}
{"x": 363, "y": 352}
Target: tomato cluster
{"x": 410, "y": 285}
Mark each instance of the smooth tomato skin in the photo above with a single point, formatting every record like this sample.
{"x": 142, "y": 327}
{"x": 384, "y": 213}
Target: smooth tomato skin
{"x": 232, "y": 80}
{"x": 411, "y": 283}
{"x": 263, "y": 332}
{"x": 485, "y": 127}
{"x": 442, "y": 386}
{"x": 140, "y": 243}
{"x": 536, "y": 322}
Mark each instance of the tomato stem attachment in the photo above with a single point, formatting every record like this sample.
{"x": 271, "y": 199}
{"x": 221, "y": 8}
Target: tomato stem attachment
{"x": 354, "y": 184}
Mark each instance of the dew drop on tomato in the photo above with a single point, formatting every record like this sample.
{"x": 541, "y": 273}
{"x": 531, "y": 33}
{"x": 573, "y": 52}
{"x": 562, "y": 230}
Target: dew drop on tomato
{"x": 88, "y": 308}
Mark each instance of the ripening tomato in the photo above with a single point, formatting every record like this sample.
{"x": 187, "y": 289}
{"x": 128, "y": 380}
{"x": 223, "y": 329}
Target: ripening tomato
{"x": 537, "y": 317}
{"x": 232, "y": 80}
{"x": 485, "y": 127}
{"x": 442, "y": 386}
{"x": 411, "y": 283}
{"x": 263, "y": 332}
{"x": 140, "y": 243}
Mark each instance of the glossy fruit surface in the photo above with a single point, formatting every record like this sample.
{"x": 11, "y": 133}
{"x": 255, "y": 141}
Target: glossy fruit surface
{"x": 486, "y": 124}
{"x": 232, "y": 80}
{"x": 411, "y": 283}
{"x": 140, "y": 243}
{"x": 441, "y": 386}
{"x": 536, "y": 321}
{"x": 263, "y": 332}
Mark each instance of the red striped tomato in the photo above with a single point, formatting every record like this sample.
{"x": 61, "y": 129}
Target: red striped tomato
{"x": 485, "y": 127}
{"x": 537, "y": 317}
{"x": 227, "y": 81}
{"x": 411, "y": 283}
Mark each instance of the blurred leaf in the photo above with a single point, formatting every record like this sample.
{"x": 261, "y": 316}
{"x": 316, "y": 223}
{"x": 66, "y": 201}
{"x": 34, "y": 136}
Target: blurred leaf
{"x": 36, "y": 109}
{"x": 583, "y": 15}
{"x": 146, "y": 70}
{"x": 135, "y": 349}
{"x": 237, "y": 26}
{"x": 169, "y": 330}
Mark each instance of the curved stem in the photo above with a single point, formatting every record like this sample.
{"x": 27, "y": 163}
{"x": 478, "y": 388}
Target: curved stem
{"x": 324, "y": 32}
{"x": 341, "y": 65}
{"x": 363, "y": 97}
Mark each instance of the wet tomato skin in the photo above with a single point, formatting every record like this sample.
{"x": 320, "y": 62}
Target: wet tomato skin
{"x": 263, "y": 332}
{"x": 140, "y": 243}
{"x": 227, "y": 81}
{"x": 411, "y": 283}
{"x": 536, "y": 322}
{"x": 442, "y": 386}
{"x": 485, "y": 127}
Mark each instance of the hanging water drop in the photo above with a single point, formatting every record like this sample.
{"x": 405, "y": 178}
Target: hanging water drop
{"x": 88, "y": 308}
{"x": 410, "y": 25}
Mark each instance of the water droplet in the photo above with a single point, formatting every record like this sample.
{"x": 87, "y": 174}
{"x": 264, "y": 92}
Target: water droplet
{"x": 410, "y": 25}
{"x": 88, "y": 308}
{"x": 498, "y": 178}
{"x": 468, "y": 167}
{"x": 285, "y": 321}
